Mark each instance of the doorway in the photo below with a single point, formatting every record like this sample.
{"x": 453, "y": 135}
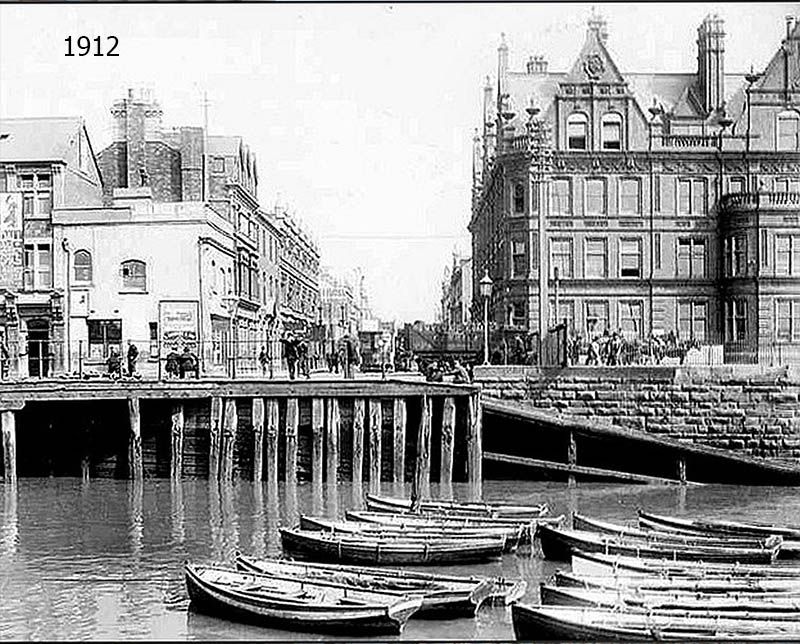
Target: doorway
{"x": 38, "y": 348}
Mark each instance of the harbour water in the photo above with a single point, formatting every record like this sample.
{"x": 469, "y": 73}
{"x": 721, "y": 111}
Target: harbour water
{"x": 103, "y": 559}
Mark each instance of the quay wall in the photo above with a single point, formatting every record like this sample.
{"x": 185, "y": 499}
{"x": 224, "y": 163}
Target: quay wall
{"x": 750, "y": 409}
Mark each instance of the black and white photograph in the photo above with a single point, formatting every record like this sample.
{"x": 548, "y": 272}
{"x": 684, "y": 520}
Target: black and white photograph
{"x": 415, "y": 321}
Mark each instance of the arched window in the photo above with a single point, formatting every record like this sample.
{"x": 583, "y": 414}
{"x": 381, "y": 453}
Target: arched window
{"x": 611, "y": 131}
{"x": 789, "y": 130}
{"x": 134, "y": 275}
{"x": 577, "y": 130}
{"x": 83, "y": 266}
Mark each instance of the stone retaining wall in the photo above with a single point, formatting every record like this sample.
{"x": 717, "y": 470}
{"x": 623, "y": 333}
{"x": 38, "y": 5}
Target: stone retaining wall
{"x": 739, "y": 407}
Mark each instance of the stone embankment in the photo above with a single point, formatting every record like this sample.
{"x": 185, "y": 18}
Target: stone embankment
{"x": 746, "y": 408}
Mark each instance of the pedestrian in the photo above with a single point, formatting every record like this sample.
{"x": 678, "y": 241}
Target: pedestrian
{"x": 114, "y": 363}
{"x": 290, "y": 352}
{"x": 302, "y": 358}
{"x": 519, "y": 350}
{"x": 262, "y": 360}
{"x": 4, "y": 359}
{"x": 186, "y": 362}
{"x": 434, "y": 373}
{"x": 172, "y": 365}
{"x": 460, "y": 374}
{"x": 133, "y": 355}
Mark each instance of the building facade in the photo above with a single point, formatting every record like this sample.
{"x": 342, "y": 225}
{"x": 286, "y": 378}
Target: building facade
{"x": 45, "y": 164}
{"x": 644, "y": 203}
{"x": 457, "y": 295}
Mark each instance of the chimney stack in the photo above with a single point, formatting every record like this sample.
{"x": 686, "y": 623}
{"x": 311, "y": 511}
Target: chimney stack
{"x": 536, "y": 65}
{"x": 711, "y": 63}
{"x": 599, "y": 25}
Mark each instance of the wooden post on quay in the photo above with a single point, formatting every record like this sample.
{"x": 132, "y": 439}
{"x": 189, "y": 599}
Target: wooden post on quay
{"x": 358, "y": 442}
{"x": 86, "y": 453}
{"x": 332, "y": 429}
{"x": 399, "y": 432}
{"x": 258, "y": 440}
{"x": 375, "y": 430}
{"x": 474, "y": 440}
{"x": 9, "y": 427}
{"x": 448, "y": 432}
{"x": 229, "y": 428}
{"x": 135, "y": 467}
{"x": 292, "y": 428}
{"x": 214, "y": 434}
{"x": 272, "y": 443}
{"x": 176, "y": 435}
{"x": 422, "y": 469}
{"x": 317, "y": 432}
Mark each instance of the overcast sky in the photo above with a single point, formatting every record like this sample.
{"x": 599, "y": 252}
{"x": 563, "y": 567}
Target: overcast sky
{"x": 361, "y": 116}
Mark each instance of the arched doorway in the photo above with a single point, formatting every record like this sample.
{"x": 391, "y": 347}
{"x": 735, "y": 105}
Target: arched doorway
{"x": 38, "y": 348}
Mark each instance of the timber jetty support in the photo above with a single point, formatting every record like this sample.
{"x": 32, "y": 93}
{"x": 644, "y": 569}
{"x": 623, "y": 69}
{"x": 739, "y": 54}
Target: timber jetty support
{"x": 330, "y": 431}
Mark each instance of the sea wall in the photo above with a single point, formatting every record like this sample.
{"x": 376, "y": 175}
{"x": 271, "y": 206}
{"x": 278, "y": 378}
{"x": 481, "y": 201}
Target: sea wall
{"x": 739, "y": 407}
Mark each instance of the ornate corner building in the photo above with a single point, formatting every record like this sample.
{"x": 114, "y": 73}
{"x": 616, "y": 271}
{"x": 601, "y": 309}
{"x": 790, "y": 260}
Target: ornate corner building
{"x": 645, "y": 203}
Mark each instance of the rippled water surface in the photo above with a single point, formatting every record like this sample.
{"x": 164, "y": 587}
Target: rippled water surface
{"x": 103, "y": 559}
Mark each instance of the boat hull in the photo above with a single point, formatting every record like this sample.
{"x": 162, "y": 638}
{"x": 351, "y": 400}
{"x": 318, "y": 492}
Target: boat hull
{"x": 213, "y": 600}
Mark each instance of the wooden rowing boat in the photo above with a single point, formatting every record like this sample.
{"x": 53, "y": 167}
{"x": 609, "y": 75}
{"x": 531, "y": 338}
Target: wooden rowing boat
{"x": 458, "y": 508}
{"x": 717, "y": 585}
{"x": 545, "y": 623}
{"x": 790, "y": 549}
{"x": 558, "y": 544}
{"x": 390, "y": 550}
{"x": 442, "y": 596}
{"x": 595, "y": 564}
{"x": 512, "y": 536}
{"x": 581, "y": 522}
{"x": 297, "y": 605}
{"x": 784, "y": 606}
{"x": 408, "y": 519}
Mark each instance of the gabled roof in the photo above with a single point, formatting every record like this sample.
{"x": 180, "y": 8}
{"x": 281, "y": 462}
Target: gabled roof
{"x": 40, "y": 139}
{"x": 594, "y": 52}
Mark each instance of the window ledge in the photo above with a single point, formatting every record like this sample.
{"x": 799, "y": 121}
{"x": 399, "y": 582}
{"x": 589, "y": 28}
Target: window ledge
{"x": 130, "y": 291}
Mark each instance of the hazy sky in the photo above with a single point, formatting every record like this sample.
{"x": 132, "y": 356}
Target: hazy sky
{"x": 361, "y": 116}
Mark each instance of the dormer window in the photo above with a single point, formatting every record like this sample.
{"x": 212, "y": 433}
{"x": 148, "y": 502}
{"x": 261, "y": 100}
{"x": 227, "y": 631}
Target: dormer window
{"x": 577, "y": 130}
{"x": 612, "y": 131}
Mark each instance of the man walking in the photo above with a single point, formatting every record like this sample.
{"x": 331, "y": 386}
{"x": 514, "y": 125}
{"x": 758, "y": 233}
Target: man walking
{"x": 133, "y": 354}
{"x": 290, "y": 351}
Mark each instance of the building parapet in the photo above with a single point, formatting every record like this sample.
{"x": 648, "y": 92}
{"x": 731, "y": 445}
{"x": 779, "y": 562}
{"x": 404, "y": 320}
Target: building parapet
{"x": 761, "y": 200}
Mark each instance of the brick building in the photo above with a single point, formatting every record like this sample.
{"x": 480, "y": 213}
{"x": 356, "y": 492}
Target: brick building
{"x": 45, "y": 163}
{"x": 665, "y": 202}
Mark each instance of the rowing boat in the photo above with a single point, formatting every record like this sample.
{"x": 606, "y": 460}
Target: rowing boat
{"x": 775, "y": 605}
{"x": 297, "y": 605}
{"x": 393, "y": 549}
{"x": 458, "y": 508}
{"x": 408, "y": 519}
{"x": 717, "y": 585}
{"x": 598, "y": 564}
{"x": 512, "y": 536}
{"x": 790, "y": 548}
{"x": 558, "y": 544}
{"x": 581, "y": 522}
{"x": 443, "y": 596}
{"x": 533, "y": 623}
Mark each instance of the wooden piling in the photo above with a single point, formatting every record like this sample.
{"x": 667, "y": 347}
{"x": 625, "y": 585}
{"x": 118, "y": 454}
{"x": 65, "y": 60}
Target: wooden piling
{"x": 375, "y": 430}
{"x": 214, "y": 432}
{"x": 86, "y": 453}
{"x": 292, "y": 427}
{"x": 272, "y": 443}
{"x": 229, "y": 429}
{"x": 8, "y": 420}
{"x": 682, "y": 469}
{"x": 422, "y": 469}
{"x": 176, "y": 443}
{"x": 474, "y": 440}
{"x": 358, "y": 442}
{"x": 572, "y": 457}
{"x": 332, "y": 429}
{"x": 448, "y": 432}
{"x": 258, "y": 440}
{"x": 399, "y": 432}
{"x": 317, "y": 431}
{"x": 135, "y": 467}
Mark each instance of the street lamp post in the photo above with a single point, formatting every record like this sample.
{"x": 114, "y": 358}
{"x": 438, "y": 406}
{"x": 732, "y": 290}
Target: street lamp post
{"x": 231, "y": 302}
{"x": 751, "y": 78}
{"x": 486, "y": 291}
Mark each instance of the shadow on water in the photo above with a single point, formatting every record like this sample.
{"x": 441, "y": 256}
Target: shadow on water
{"x": 104, "y": 558}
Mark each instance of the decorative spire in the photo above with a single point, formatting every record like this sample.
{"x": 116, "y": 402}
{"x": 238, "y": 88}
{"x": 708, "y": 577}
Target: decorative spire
{"x": 599, "y": 25}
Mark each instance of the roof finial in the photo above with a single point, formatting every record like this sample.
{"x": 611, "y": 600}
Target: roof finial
{"x": 599, "y": 25}
{"x": 503, "y": 44}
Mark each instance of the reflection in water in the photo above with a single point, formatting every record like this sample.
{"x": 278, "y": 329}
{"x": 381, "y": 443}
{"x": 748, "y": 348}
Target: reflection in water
{"x": 332, "y": 500}
{"x": 257, "y": 540}
{"x": 136, "y": 528}
{"x": 572, "y": 502}
{"x": 177, "y": 511}
{"x": 97, "y": 565}
{"x": 357, "y": 496}
{"x": 9, "y": 523}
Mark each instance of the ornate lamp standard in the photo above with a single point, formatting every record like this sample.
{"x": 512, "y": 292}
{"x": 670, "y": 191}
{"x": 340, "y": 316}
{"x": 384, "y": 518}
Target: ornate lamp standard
{"x": 485, "y": 286}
